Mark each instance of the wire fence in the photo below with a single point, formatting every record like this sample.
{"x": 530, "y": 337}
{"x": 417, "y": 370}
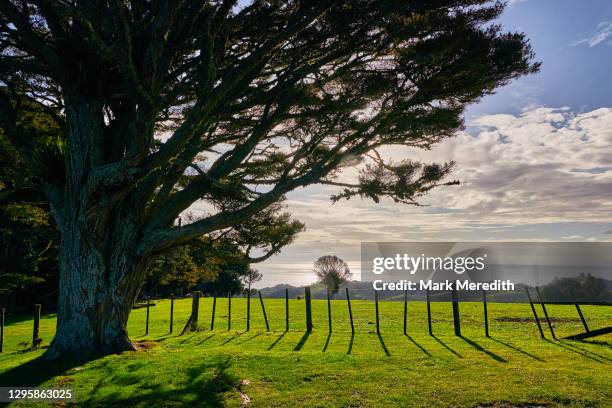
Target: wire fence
{"x": 349, "y": 311}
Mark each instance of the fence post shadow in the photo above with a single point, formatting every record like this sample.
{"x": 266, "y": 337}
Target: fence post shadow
{"x": 329, "y": 334}
{"x": 418, "y": 345}
{"x": 279, "y": 338}
{"x": 445, "y": 346}
{"x": 517, "y": 349}
{"x": 302, "y": 341}
{"x": 573, "y": 350}
{"x": 478, "y": 347}
{"x": 350, "y": 346}
{"x": 382, "y": 343}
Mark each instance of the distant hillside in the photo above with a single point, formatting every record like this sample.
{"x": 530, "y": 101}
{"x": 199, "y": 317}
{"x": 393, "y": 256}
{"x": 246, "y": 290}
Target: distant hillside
{"x": 585, "y": 289}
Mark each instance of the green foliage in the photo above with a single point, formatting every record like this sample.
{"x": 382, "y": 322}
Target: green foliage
{"x": 28, "y": 236}
{"x": 584, "y": 288}
{"x": 332, "y": 272}
{"x": 213, "y": 267}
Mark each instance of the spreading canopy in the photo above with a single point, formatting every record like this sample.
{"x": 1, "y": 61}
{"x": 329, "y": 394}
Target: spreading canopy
{"x": 164, "y": 103}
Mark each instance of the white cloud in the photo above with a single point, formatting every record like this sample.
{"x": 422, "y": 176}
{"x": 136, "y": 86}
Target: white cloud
{"x": 545, "y": 165}
{"x": 601, "y": 34}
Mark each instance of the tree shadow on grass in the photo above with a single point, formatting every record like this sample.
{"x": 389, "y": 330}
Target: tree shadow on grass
{"x": 418, "y": 345}
{"x": 478, "y": 347}
{"x": 35, "y": 372}
{"x": 445, "y": 346}
{"x": 204, "y": 386}
{"x": 302, "y": 341}
{"x": 384, "y": 346}
{"x": 517, "y": 349}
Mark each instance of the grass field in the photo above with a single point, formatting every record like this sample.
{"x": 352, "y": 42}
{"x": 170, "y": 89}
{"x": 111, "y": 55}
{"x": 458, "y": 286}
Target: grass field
{"x": 280, "y": 369}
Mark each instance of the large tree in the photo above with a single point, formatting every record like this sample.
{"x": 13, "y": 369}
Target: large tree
{"x": 167, "y": 102}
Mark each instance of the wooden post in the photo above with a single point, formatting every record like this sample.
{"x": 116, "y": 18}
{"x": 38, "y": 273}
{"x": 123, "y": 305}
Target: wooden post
{"x": 486, "y": 312}
{"x": 35, "y": 338}
{"x": 329, "y": 316}
{"x": 535, "y": 315}
{"x": 376, "y": 305}
{"x": 308, "y": 300}
{"x": 229, "y": 311}
{"x": 429, "y": 313}
{"x": 584, "y": 323}
{"x": 212, "y": 320}
{"x": 456, "y": 316}
{"x": 195, "y": 308}
{"x": 286, "y": 309}
{"x": 263, "y": 309}
{"x": 545, "y": 313}
{"x": 405, "y": 312}
{"x": 147, "y": 320}
{"x": 2, "y": 311}
{"x": 171, "y": 312}
{"x": 348, "y": 301}
{"x": 248, "y": 310}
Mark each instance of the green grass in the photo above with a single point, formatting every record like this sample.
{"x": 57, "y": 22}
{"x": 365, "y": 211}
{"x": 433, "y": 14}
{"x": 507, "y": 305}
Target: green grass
{"x": 276, "y": 369}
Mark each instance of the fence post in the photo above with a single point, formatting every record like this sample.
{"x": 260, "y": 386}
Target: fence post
{"x": 308, "y": 300}
{"x": 195, "y": 308}
{"x": 171, "y": 313}
{"x": 329, "y": 316}
{"x": 429, "y": 313}
{"x": 405, "y": 312}
{"x": 229, "y": 311}
{"x": 248, "y": 310}
{"x": 584, "y": 323}
{"x": 456, "y": 316}
{"x": 147, "y": 320}
{"x": 486, "y": 312}
{"x": 286, "y": 309}
{"x": 535, "y": 315}
{"x": 348, "y": 301}
{"x": 546, "y": 313}
{"x": 377, "y": 319}
{"x": 35, "y": 338}
{"x": 1, "y": 328}
{"x": 212, "y": 321}
{"x": 263, "y": 309}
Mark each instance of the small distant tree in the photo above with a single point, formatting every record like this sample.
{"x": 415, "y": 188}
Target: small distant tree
{"x": 252, "y": 276}
{"x": 332, "y": 272}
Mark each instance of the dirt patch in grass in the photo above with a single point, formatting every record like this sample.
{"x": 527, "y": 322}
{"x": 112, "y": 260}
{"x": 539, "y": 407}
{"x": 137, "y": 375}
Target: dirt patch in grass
{"x": 144, "y": 345}
{"x": 530, "y": 319}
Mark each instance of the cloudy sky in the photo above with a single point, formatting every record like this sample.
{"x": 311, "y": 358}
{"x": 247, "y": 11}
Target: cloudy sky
{"x": 535, "y": 161}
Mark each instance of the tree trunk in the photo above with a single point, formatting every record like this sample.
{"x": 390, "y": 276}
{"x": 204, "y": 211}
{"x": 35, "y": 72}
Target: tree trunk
{"x": 100, "y": 273}
{"x": 97, "y": 291}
